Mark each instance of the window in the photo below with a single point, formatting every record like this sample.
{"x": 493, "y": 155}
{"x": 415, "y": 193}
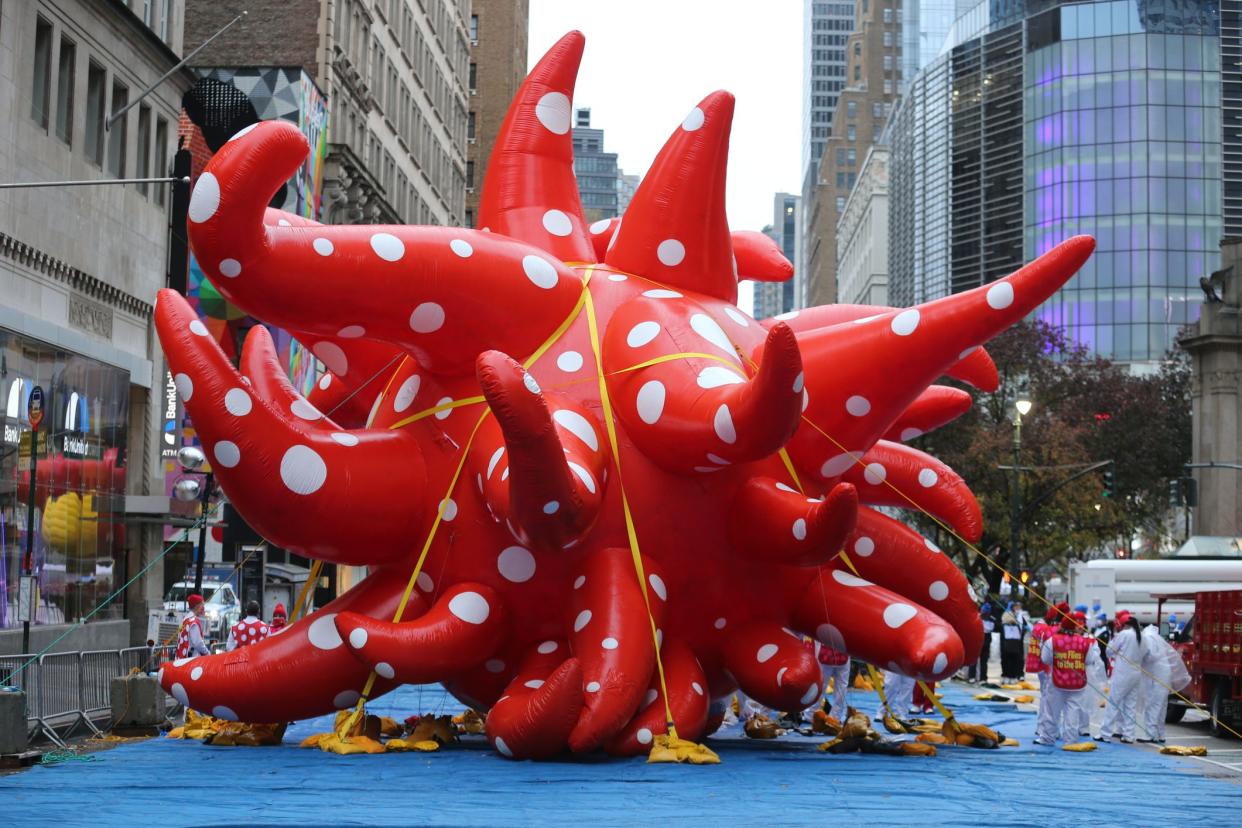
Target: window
{"x": 851, "y": 109}
{"x": 165, "y": 18}
{"x": 144, "y": 146}
{"x": 888, "y": 87}
{"x": 858, "y": 48}
{"x": 469, "y": 173}
{"x": 850, "y": 179}
{"x": 857, "y": 72}
{"x": 840, "y": 180}
{"x": 888, "y": 63}
{"x": 840, "y": 157}
{"x": 851, "y": 134}
{"x": 96, "y": 94}
{"x": 161, "y": 157}
{"x": 116, "y": 135}
{"x": 852, "y": 156}
{"x": 888, "y": 39}
{"x": 474, "y": 28}
{"x": 470, "y": 126}
{"x": 64, "y": 90}
{"x": 888, "y": 15}
{"x": 41, "y": 92}
{"x": 840, "y": 204}
{"x": 866, "y": 3}
{"x": 473, "y": 83}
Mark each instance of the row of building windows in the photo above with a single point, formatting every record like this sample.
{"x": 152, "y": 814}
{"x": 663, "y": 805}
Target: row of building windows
{"x": 57, "y": 81}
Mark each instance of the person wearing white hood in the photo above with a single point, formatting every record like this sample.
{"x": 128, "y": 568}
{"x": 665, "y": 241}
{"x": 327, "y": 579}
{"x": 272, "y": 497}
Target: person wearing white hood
{"x": 1164, "y": 672}
{"x": 1125, "y": 652}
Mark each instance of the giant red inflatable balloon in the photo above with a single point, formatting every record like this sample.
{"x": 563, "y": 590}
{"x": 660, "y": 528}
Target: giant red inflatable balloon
{"x": 492, "y": 418}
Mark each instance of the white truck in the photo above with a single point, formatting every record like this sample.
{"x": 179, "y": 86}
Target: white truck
{"x": 1113, "y": 584}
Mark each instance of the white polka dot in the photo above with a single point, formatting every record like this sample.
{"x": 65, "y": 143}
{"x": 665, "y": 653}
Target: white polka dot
{"x": 657, "y": 585}
{"x": 707, "y": 328}
{"x": 540, "y": 271}
{"x": 799, "y": 529}
{"x": 714, "y": 376}
{"x": 723, "y": 424}
{"x": 840, "y": 464}
{"x": 968, "y": 352}
{"x": 324, "y": 382}
{"x": 346, "y": 698}
{"x": 196, "y": 674}
{"x": 609, "y": 643}
{"x": 830, "y": 635}
{"x": 547, "y": 647}
{"x": 864, "y": 546}
{"x": 384, "y": 670}
{"x": 910, "y": 434}
{"x": 583, "y": 475}
{"x": 670, "y": 252}
{"x": 766, "y": 652}
{"x": 332, "y": 356}
{"x": 693, "y": 121}
{"x": 875, "y": 473}
{"x": 181, "y": 662}
{"x": 222, "y": 712}
{"x": 495, "y": 458}
{"x": 799, "y": 382}
{"x": 938, "y": 590}
{"x": 600, "y": 226}
{"x": 529, "y": 381}
{"x": 242, "y": 132}
{"x": 650, "y": 402}
{"x": 904, "y": 323}
{"x": 660, "y": 293}
{"x": 649, "y": 698}
{"x": 358, "y": 638}
{"x": 301, "y": 408}
{"x": 806, "y": 400}
{"x": 303, "y": 470}
{"x": 579, "y": 581}
{"x": 928, "y": 478}
{"x": 388, "y": 247}
{"x": 534, "y": 684}
{"x": 810, "y": 694}
{"x": 425, "y": 582}
{"x": 736, "y": 315}
{"x": 643, "y": 736}
{"x": 227, "y": 453}
{"x": 858, "y": 406}
{"x": 717, "y": 459}
{"x": 551, "y": 507}
{"x": 617, "y": 277}
{"x": 206, "y": 198}
{"x": 569, "y": 361}
{"x": 198, "y": 328}
{"x": 238, "y": 402}
{"x": 284, "y": 223}
{"x": 470, "y": 607}
{"x": 577, "y": 425}
{"x": 557, "y": 223}
{"x": 553, "y": 112}
{"x": 642, "y": 333}
{"x": 406, "y": 393}
{"x": 351, "y": 332}
{"x": 784, "y": 487}
{"x": 494, "y": 665}
{"x": 230, "y": 268}
{"x": 582, "y": 620}
{"x": 324, "y": 247}
{"x": 344, "y": 439}
{"x": 1000, "y": 295}
{"x": 719, "y": 623}
{"x": 592, "y": 687}
{"x": 848, "y": 579}
{"x": 516, "y": 564}
{"x": 427, "y": 317}
{"x": 897, "y": 614}
{"x": 928, "y": 543}
{"x": 322, "y": 633}
{"x": 462, "y": 248}
{"x": 940, "y": 663}
{"x": 502, "y": 748}
{"x": 448, "y": 509}
{"x": 443, "y": 414}
{"x": 696, "y": 687}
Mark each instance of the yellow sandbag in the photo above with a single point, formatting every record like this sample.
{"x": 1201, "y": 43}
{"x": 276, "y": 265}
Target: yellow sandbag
{"x": 861, "y": 682}
{"x": 761, "y": 727}
{"x": 331, "y": 743}
{"x": 390, "y": 727}
{"x": 1184, "y": 750}
{"x": 1024, "y": 699}
{"x": 917, "y": 748}
{"x": 856, "y": 724}
{"x": 932, "y": 739}
{"x": 425, "y": 745}
{"x": 667, "y": 749}
{"x": 826, "y": 746}
{"x": 247, "y": 734}
{"x": 177, "y": 733}
{"x": 892, "y": 725}
{"x": 978, "y": 730}
{"x": 821, "y": 722}
{"x": 1010, "y": 743}
{"x": 1080, "y": 747}
{"x": 313, "y": 740}
{"x": 434, "y": 728}
{"x": 469, "y": 722}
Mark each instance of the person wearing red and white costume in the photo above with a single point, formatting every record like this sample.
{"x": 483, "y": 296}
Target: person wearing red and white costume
{"x": 1069, "y": 653}
{"x": 249, "y": 630}
{"x": 280, "y": 619}
{"x": 1034, "y": 650}
{"x": 191, "y": 637}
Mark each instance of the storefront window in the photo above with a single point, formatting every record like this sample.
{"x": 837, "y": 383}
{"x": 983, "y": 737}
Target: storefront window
{"x": 77, "y": 550}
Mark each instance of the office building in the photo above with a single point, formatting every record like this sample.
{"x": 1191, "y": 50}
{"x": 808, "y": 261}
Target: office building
{"x": 862, "y": 235}
{"x": 772, "y": 298}
{"x": 599, "y": 179}
{"x": 395, "y": 74}
{"x": 498, "y": 36}
{"x": 79, "y": 271}
{"x": 873, "y": 64}
{"x": 1039, "y": 123}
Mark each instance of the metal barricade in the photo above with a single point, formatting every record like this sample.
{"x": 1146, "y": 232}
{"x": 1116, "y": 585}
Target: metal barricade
{"x": 60, "y": 694}
{"x": 142, "y": 659}
{"x": 26, "y": 680}
{"x": 99, "y": 667}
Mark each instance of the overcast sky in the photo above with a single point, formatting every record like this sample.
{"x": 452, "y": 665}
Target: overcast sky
{"x": 647, "y": 62}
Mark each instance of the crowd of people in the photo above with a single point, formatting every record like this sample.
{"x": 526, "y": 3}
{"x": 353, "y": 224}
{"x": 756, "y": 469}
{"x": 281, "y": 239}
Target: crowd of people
{"x": 192, "y": 638}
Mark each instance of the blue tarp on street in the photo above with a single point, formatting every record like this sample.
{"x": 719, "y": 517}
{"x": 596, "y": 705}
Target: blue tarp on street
{"x": 783, "y": 782}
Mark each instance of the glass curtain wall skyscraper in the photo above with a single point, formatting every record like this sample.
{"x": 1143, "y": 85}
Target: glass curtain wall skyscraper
{"x": 1100, "y": 118}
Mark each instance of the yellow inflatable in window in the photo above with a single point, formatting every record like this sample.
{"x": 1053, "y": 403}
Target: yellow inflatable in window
{"x": 70, "y": 525}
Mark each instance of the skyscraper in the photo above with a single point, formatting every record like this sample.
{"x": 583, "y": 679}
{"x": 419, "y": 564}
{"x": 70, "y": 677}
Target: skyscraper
{"x": 873, "y": 66}
{"x": 772, "y": 298}
{"x": 862, "y": 235}
{"x": 1102, "y": 118}
{"x": 498, "y": 34}
{"x": 599, "y": 180}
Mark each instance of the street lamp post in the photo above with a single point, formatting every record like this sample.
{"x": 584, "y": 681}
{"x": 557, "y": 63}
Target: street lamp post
{"x": 1022, "y": 407}
{"x": 188, "y": 489}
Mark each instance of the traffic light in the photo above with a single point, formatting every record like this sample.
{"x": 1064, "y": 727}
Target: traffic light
{"x": 1190, "y": 491}
{"x": 1175, "y": 491}
{"x": 1109, "y": 482}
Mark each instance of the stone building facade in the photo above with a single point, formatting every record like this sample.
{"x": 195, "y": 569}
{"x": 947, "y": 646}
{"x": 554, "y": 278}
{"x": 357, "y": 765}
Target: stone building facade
{"x": 862, "y": 235}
